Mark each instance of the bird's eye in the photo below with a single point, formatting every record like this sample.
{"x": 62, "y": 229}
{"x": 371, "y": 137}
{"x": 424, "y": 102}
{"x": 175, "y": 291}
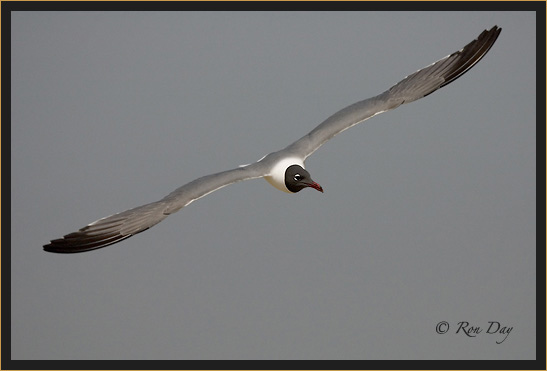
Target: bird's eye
{"x": 297, "y": 177}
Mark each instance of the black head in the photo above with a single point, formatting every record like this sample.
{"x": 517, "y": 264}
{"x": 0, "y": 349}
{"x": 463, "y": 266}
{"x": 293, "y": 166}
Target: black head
{"x": 297, "y": 178}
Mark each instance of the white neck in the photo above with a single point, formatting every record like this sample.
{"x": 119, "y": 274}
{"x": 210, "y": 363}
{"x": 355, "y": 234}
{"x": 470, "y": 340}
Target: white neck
{"x": 277, "y": 174}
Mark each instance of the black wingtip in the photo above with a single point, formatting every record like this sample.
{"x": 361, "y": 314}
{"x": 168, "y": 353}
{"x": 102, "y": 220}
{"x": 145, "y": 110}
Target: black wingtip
{"x": 472, "y": 53}
{"x": 79, "y": 242}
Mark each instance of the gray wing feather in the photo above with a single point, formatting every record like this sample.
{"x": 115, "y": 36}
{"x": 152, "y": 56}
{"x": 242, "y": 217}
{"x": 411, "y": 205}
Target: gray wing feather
{"x": 117, "y": 227}
{"x": 413, "y": 87}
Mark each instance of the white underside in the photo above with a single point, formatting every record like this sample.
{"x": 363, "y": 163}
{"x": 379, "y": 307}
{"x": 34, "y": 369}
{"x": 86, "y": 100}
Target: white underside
{"x": 277, "y": 174}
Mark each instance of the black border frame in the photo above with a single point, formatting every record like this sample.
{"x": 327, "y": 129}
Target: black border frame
{"x": 9, "y": 6}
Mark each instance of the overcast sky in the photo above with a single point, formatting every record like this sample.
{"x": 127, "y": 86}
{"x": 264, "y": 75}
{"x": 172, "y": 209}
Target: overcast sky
{"x": 428, "y": 213}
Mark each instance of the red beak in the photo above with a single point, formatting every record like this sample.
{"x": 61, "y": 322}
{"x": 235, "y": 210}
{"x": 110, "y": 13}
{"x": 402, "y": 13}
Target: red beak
{"x": 315, "y": 186}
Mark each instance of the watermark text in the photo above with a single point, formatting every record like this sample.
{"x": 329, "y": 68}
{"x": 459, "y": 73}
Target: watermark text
{"x": 493, "y": 328}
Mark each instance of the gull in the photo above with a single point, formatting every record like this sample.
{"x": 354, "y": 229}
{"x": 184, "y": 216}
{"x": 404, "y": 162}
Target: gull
{"x": 283, "y": 169}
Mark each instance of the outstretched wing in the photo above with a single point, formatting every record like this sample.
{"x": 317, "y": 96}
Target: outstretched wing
{"x": 118, "y": 227}
{"x": 415, "y": 86}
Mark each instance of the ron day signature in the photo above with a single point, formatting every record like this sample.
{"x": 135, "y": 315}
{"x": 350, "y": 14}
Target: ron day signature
{"x": 464, "y": 327}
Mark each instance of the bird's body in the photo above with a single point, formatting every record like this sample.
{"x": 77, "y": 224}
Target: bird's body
{"x": 283, "y": 169}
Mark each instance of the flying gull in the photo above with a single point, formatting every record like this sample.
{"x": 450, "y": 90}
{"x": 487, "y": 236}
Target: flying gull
{"x": 283, "y": 169}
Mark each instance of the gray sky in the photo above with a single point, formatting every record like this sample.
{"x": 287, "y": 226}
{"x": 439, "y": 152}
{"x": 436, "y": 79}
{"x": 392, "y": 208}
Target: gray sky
{"x": 428, "y": 213}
